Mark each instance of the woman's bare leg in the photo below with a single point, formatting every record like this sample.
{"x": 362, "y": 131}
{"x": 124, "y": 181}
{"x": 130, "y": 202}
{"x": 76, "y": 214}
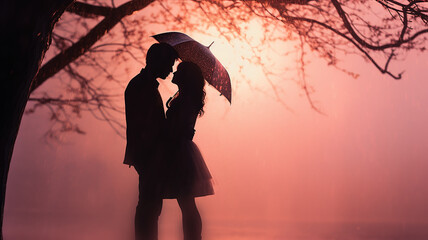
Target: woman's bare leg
{"x": 192, "y": 222}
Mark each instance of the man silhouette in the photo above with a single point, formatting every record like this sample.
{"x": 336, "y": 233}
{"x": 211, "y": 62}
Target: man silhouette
{"x": 145, "y": 119}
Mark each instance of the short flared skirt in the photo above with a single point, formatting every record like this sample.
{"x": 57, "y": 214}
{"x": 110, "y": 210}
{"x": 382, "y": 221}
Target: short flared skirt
{"x": 184, "y": 172}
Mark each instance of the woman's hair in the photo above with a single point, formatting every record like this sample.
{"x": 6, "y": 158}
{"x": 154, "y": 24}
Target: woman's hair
{"x": 192, "y": 85}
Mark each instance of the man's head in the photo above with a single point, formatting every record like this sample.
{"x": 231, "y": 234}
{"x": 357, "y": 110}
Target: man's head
{"x": 160, "y": 59}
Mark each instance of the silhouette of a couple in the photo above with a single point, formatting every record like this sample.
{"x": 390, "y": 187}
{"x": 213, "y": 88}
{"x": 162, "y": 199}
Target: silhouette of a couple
{"x": 160, "y": 148}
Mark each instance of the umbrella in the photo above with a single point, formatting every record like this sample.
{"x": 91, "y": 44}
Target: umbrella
{"x": 190, "y": 50}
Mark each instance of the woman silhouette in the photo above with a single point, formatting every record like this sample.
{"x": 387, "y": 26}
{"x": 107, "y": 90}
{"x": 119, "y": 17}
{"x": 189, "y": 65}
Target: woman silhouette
{"x": 187, "y": 176}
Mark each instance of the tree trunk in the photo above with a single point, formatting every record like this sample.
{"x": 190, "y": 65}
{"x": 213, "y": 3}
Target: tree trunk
{"x": 26, "y": 28}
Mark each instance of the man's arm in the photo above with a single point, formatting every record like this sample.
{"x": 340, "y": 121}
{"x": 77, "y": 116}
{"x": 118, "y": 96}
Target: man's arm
{"x": 142, "y": 124}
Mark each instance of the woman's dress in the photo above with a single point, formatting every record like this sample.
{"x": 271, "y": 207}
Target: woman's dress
{"x": 186, "y": 174}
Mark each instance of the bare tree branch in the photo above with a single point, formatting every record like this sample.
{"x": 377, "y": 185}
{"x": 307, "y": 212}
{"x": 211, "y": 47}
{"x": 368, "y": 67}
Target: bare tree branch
{"x": 328, "y": 28}
{"x": 394, "y": 43}
{"x": 88, "y": 10}
{"x": 79, "y": 48}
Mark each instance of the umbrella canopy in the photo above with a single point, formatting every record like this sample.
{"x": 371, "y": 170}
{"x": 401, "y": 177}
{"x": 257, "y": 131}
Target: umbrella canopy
{"x": 190, "y": 50}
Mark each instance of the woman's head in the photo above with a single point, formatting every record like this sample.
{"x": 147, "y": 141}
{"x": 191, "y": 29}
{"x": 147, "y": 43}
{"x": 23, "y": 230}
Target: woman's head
{"x": 190, "y": 82}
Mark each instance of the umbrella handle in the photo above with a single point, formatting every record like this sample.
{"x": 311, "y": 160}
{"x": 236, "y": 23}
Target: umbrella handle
{"x": 170, "y": 99}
